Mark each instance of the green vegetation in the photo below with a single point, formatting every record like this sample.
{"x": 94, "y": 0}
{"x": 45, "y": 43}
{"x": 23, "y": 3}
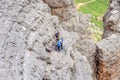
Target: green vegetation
{"x": 77, "y": 1}
{"x": 96, "y": 8}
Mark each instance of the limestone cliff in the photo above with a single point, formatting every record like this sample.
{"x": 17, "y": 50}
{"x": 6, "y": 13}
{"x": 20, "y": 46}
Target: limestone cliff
{"x": 27, "y": 42}
{"x": 27, "y": 29}
{"x": 108, "y": 50}
{"x": 112, "y": 19}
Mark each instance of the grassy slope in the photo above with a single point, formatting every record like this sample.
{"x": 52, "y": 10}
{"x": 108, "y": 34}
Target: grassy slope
{"x": 77, "y": 1}
{"x": 97, "y": 10}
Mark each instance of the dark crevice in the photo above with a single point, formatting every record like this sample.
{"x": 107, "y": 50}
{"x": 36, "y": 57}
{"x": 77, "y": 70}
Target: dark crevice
{"x": 48, "y": 50}
{"x": 96, "y": 67}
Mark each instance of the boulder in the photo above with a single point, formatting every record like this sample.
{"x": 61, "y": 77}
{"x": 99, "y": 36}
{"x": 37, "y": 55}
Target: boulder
{"x": 108, "y": 57}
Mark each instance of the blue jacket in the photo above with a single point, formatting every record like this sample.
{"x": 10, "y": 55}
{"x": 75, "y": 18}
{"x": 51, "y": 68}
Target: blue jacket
{"x": 59, "y": 43}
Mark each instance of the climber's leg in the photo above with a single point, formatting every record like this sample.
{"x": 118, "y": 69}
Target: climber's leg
{"x": 59, "y": 48}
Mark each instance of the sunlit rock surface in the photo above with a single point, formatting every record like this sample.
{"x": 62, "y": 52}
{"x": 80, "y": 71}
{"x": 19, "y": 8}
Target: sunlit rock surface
{"x": 112, "y": 19}
{"x": 109, "y": 58}
{"x": 108, "y": 50}
{"x": 27, "y": 41}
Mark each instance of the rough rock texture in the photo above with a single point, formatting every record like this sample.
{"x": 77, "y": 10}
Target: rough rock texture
{"x": 27, "y": 41}
{"x": 108, "y": 50}
{"x": 109, "y": 58}
{"x": 75, "y": 22}
{"x": 64, "y": 9}
{"x": 112, "y": 19}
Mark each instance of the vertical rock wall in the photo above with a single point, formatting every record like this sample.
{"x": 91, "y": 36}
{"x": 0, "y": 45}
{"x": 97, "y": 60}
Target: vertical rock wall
{"x": 108, "y": 55}
{"x": 64, "y": 9}
{"x": 112, "y": 19}
{"x": 27, "y": 41}
{"x": 109, "y": 58}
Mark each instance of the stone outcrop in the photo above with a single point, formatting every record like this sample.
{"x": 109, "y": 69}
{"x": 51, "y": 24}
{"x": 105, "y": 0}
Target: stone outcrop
{"x": 108, "y": 50}
{"x": 109, "y": 58}
{"x": 27, "y": 41}
{"x": 112, "y": 19}
{"x": 64, "y": 9}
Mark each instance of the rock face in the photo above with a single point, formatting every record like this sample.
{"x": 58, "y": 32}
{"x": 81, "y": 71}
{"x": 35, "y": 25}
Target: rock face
{"x": 112, "y": 19}
{"x": 109, "y": 58}
{"x": 27, "y": 41}
{"x": 64, "y": 9}
{"x": 108, "y": 50}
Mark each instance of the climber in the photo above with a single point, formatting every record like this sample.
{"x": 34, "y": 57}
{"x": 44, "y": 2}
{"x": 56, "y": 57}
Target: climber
{"x": 58, "y": 45}
{"x": 57, "y": 36}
